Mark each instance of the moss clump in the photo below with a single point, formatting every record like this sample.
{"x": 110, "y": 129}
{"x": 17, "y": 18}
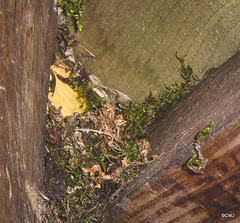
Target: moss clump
{"x": 102, "y": 150}
{"x": 86, "y": 93}
{"x": 74, "y": 9}
{"x": 72, "y": 195}
{"x": 93, "y": 100}
{"x": 140, "y": 115}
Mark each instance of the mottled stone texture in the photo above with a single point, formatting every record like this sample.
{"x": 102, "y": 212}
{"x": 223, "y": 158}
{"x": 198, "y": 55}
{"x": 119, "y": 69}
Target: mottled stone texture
{"x": 28, "y": 30}
{"x": 135, "y": 41}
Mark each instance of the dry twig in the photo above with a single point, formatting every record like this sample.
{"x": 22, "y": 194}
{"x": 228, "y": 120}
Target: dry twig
{"x": 98, "y": 132}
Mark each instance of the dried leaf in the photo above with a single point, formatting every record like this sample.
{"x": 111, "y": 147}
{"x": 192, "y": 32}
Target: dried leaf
{"x": 144, "y": 153}
{"x": 126, "y": 162}
{"x": 144, "y": 144}
{"x": 107, "y": 177}
{"x": 92, "y": 171}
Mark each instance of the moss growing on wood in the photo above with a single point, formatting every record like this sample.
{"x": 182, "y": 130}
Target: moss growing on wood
{"x": 140, "y": 115}
{"x": 102, "y": 150}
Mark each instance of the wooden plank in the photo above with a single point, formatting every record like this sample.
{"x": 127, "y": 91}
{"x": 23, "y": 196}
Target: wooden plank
{"x": 28, "y": 30}
{"x": 166, "y": 191}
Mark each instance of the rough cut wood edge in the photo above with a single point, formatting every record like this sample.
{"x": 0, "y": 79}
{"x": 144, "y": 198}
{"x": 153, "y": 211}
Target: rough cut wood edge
{"x": 28, "y": 30}
{"x": 165, "y": 191}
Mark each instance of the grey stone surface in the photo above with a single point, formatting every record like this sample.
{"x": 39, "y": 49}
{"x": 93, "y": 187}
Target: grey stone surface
{"x": 135, "y": 41}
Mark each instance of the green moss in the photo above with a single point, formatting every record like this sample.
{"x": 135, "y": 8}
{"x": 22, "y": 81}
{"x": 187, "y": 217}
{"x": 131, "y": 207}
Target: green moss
{"x": 82, "y": 198}
{"x": 74, "y": 9}
{"x": 86, "y": 95}
{"x": 140, "y": 115}
{"x": 203, "y": 133}
{"x": 93, "y": 100}
{"x": 85, "y": 202}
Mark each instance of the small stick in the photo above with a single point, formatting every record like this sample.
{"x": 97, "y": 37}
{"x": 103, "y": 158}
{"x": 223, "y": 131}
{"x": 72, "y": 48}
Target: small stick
{"x": 91, "y": 54}
{"x": 99, "y": 132}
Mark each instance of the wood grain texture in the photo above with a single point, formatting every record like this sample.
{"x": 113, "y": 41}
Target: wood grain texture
{"x": 166, "y": 191}
{"x": 28, "y": 30}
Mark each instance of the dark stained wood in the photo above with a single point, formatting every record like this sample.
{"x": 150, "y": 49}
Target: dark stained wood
{"x": 28, "y": 30}
{"x": 166, "y": 191}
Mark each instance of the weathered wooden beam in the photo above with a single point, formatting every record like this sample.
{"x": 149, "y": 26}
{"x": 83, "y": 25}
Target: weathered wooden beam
{"x": 28, "y": 30}
{"x": 166, "y": 191}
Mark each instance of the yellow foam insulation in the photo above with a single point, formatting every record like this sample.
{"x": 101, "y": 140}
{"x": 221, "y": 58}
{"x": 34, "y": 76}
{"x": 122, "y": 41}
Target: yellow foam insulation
{"x": 64, "y": 95}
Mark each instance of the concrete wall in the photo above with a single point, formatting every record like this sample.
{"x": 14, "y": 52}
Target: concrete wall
{"x": 135, "y": 41}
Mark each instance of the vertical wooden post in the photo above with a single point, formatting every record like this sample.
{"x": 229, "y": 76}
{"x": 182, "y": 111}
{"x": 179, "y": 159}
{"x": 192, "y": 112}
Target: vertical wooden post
{"x": 28, "y": 30}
